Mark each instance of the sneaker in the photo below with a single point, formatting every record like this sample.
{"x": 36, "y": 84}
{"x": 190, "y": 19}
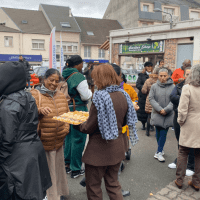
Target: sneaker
{"x": 159, "y": 156}
{"x": 78, "y": 173}
{"x": 172, "y": 166}
{"x": 68, "y": 170}
{"x": 172, "y": 128}
{"x": 125, "y": 193}
{"x": 45, "y": 198}
{"x": 152, "y": 128}
{"x": 189, "y": 172}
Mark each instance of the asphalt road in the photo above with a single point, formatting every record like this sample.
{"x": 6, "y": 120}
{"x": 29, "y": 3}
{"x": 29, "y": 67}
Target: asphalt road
{"x": 143, "y": 174}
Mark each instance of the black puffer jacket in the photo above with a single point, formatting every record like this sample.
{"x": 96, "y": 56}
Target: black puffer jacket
{"x": 23, "y": 164}
{"x": 175, "y": 95}
{"x": 142, "y": 115}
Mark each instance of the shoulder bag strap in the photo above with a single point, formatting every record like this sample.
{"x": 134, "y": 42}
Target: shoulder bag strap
{"x": 71, "y": 75}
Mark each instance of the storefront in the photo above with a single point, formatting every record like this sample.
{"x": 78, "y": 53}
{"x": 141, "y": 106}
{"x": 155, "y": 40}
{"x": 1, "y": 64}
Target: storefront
{"x": 154, "y": 43}
{"x": 32, "y": 59}
{"x": 95, "y": 61}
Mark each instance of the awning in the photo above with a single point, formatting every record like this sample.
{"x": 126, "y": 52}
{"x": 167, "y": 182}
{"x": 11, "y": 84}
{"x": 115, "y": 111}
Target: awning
{"x": 105, "y": 45}
{"x": 15, "y": 57}
{"x": 95, "y": 61}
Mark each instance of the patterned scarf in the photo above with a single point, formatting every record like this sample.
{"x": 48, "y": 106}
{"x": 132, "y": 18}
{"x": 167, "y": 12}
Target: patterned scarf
{"x": 107, "y": 120}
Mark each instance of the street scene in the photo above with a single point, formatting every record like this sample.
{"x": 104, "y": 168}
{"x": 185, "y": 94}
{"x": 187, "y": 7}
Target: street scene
{"x": 100, "y": 100}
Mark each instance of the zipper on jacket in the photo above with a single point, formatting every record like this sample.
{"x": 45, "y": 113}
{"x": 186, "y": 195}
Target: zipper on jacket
{"x": 56, "y": 122}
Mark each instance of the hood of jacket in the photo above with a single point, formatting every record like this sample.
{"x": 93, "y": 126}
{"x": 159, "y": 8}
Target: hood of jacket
{"x": 169, "y": 82}
{"x": 68, "y": 71}
{"x": 12, "y": 78}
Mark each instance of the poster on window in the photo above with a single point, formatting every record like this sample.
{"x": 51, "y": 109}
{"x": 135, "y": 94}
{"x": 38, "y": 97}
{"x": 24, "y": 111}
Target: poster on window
{"x": 131, "y": 78}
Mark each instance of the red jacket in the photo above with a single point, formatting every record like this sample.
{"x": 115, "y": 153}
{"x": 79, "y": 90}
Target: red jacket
{"x": 178, "y": 73}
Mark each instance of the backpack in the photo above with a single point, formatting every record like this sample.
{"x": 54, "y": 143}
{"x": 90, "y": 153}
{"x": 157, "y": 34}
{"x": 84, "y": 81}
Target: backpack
{"x": 63, "y": 87}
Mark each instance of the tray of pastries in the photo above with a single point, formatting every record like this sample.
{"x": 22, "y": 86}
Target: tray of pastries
{"x": 75, "y": 118}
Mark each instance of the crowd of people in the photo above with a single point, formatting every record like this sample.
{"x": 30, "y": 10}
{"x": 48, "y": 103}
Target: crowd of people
{"x": 37, "y": 152}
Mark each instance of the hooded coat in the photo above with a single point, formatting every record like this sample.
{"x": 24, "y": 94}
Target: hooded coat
{"x": 27, "y": 68}
{"x": 142, "y": 115}
{"x": 159, "y": 98}
{"x": 23, "y": 166}
{"x": 146, "y": 89}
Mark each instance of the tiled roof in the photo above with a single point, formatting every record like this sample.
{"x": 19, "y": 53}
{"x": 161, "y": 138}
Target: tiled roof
{"x": 190, "y": 3}
{"x": 32, "y": 17}
{"x": 58, "y": 14}
{"x": 4, "y": 28}
{"x": 100, "y": 28}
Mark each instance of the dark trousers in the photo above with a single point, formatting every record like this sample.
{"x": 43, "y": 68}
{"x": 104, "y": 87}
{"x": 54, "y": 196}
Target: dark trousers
{"x": 182, "y": 164}
{"x": 94, "y": 177}
{"x": 190, "y": 164}
{"x": 148, "y": 122}
{"x": 161, "y": 136}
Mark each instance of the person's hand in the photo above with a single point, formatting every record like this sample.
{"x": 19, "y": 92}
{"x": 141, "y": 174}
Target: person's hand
{"x": 45, "y": 111}
{"x": 181, "y": 79}
{"x": 136, "y": 106}
{"x": 163, "y": 112}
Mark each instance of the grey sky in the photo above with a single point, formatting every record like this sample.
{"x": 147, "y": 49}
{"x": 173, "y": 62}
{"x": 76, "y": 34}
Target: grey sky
{"x": 87, "y": 8}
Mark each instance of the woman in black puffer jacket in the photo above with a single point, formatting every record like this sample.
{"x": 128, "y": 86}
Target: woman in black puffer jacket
{"x": 143, "y": 76}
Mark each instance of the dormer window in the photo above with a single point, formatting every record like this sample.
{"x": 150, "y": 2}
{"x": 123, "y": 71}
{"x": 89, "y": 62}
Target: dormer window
{"x": 65, "y": 24}
{"x": 90, "y": 33}
{"x": 169, "y": 10}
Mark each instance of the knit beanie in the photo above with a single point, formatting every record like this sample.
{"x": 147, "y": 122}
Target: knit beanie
{"x": 12, "y": 77}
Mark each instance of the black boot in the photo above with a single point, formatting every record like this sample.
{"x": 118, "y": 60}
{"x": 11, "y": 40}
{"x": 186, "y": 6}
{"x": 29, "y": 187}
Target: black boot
{"x": 147, "y": 133}
{"x": 148, "y": 128}
{"x": 143, "y": 126}
{"x": 83, "y": 183}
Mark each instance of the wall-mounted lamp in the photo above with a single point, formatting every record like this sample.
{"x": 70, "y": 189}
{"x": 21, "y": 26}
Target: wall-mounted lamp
{"x": 127, "y": 41}
{"x": 149, "y": 38}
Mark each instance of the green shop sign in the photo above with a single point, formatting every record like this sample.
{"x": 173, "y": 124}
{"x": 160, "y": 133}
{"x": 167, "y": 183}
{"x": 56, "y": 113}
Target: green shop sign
{"x": 142, "y": 47}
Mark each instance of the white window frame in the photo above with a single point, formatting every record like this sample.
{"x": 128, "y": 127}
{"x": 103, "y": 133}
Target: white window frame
{"x": 145, "y": 6}
{"x": 7, "y": 40}
{"x": 35, "y": 41}
{"x": 166, "y": 9}
{"x": 73, "y": 45}
{"x": 102, "y": 54}
{"x": 87, "y": 51}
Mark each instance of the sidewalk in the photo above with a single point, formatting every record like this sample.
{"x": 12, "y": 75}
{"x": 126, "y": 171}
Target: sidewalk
{"x": 172, "y": 192}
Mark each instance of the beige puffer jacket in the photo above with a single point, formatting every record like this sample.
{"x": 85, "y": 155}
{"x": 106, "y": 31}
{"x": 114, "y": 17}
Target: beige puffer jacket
{"x": 52, "y": 132}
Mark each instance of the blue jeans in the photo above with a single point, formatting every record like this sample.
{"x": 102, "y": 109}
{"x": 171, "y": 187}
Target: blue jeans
{"x": 161, "y": 135}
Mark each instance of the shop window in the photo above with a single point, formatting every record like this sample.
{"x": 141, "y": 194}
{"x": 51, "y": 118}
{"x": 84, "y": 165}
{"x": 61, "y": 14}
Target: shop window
{"x": 169, "y": 10}
{"x": 146, "y": 8}
{"x": 38, "y": 44}
{"x": 194, "y": 15}
{"x": 101, "y": 53}
{"x": 8, "y": 41}
{"x": 87, "y": 51}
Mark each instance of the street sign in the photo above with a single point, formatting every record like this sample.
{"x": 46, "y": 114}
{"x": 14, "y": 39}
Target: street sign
{"x": 142, "y": 47}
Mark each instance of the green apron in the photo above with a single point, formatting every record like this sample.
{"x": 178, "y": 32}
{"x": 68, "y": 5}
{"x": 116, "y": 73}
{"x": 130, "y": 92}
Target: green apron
{"x": 75, "y": 140}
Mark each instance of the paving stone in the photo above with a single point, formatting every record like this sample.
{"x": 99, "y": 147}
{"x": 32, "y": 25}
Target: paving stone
{"x": 164, "y": 191}
{"x": 172, "y": 195}
{"x": 161, "y": 197}
{"x": 196, "y": 195}
{"x": 173, "y": 187}
{"x": 152, "y": 198}
{"x": 189, "y": 191}
{"x": 183, "y": 196}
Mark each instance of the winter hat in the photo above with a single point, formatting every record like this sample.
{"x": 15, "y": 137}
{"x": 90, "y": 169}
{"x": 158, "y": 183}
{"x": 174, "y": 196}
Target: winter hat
{"x": 12, "y": 78}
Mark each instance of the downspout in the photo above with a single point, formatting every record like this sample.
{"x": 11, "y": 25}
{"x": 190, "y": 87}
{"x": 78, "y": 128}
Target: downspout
{"x": 110, "y": 49}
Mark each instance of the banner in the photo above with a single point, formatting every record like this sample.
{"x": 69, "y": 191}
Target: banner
{"x": 52, "y": 49}
{"x": 142, "y": 47}
{"x": 62, "y": 63}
